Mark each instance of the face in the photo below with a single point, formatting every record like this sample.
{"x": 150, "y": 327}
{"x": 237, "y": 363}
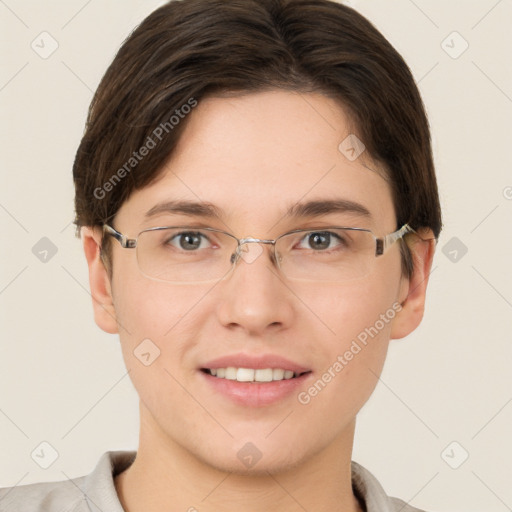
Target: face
{"x": 253, "y": 157}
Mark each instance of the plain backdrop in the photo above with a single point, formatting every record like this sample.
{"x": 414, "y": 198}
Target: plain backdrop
{"x": 446, "y": 390}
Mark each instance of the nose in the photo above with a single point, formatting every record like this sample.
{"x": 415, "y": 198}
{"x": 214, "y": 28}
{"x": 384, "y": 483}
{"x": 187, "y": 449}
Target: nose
{"x": 254, "y": 296}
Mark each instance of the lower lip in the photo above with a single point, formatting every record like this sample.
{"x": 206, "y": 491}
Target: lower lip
{"x": 255, "y": 394}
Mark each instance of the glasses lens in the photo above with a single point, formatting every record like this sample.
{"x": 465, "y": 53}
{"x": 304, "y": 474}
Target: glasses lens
{"x": 326, "y": 255}
{"x": 182, "y": 254}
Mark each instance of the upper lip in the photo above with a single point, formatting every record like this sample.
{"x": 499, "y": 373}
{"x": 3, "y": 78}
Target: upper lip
{"x": 256, "y": 362}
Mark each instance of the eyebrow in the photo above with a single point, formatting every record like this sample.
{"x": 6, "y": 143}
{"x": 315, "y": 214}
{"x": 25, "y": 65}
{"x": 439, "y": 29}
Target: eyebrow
{"x": 313, "y": 208}
{"x": 192, "y": 208}
{"x": 324, "y": 207}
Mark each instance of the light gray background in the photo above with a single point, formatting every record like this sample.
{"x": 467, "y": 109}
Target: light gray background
{"x": 63, "y": 380}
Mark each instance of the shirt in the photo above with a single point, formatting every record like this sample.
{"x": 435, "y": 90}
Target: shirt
{"x": 96, "y": 491}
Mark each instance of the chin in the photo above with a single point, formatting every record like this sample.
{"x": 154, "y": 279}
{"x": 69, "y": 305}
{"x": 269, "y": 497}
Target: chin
{"x": 248, "y": 460}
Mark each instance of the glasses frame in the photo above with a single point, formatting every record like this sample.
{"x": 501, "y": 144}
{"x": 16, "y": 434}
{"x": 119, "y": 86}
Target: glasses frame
{"x": 381, "y": 243}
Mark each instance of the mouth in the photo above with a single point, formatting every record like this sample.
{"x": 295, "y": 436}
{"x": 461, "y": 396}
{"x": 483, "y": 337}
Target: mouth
{"x": 255, "y": 375}
{"x": 254, "y": 387}
{"x": 254, "y": 380}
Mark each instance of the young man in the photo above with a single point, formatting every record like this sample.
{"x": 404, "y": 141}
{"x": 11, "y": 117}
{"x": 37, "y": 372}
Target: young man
{"x": 258, "y": 207}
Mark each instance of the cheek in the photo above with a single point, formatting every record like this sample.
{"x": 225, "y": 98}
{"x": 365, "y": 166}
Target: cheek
{"x": 342, "y": 311}
{"x": 158, "y": 326}
{"x": 357, "y": 318}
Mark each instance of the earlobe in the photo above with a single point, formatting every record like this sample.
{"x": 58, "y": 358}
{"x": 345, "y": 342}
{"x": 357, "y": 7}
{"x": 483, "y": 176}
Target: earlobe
{"x": 99, "y": 282}
{"x": 413, "y": 291}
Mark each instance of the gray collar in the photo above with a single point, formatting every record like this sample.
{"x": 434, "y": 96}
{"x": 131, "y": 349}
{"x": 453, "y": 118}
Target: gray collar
{"x": 101, "y": 496}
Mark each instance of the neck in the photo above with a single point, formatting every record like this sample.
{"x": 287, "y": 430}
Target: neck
{"x": 166, "y": 476}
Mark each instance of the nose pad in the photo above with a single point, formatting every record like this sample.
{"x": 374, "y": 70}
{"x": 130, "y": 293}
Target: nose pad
{"x": 277, "y": 258}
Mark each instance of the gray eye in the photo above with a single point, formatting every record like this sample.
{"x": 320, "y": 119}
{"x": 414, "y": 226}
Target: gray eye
{"x": 188, "y": 240}
{"x": 321, "y": 240}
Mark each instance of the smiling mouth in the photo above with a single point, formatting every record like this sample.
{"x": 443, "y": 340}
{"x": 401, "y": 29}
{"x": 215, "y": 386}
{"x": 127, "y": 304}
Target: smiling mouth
{"x": 252, "y": 374}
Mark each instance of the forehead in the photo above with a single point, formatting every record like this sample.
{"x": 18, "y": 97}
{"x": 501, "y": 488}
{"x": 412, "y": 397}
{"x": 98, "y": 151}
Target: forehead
{"x": 254, "y": 156}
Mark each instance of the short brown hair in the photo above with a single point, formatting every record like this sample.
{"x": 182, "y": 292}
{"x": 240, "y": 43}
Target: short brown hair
{"x": 190, "y": 49}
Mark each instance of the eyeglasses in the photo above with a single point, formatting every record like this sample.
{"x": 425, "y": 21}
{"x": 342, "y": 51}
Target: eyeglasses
{"x": 184, "y": 254}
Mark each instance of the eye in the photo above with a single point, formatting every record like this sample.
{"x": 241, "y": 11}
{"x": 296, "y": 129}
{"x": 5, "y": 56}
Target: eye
{"x": 189, "y": 240}
{"x": 322, "y": 240}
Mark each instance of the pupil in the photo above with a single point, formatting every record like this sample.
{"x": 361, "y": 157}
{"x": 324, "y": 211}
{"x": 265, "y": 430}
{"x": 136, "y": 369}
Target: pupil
{"x": 321, "y": 241}
{"x": 190, "y": 241}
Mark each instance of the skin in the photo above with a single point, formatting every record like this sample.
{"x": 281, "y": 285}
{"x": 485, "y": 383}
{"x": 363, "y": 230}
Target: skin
{"x": 274, "y": 149}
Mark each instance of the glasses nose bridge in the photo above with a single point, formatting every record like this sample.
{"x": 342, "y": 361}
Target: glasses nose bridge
{"x": 249, "y": 240}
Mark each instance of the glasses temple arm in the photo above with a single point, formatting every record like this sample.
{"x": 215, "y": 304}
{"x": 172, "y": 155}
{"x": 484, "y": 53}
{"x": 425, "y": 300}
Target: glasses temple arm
{"x": 122, "y": 239}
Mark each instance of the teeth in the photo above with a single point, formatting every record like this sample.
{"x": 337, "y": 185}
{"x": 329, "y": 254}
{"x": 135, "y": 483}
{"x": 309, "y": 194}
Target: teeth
{"x": 245, "y": 374}
{"x": 251, "y": 374}
{"x": 277, "y": 374}
{"x": 230, "y": 373}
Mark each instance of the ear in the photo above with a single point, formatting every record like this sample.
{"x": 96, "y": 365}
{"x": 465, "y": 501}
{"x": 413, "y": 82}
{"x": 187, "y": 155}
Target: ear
{"x": 413, "y": 290}
{"x": 99, "y": 282}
